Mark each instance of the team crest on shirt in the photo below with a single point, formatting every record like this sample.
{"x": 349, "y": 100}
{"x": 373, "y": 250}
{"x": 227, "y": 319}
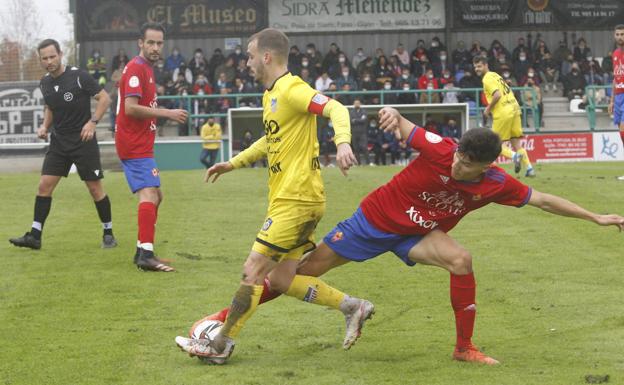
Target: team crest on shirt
{"x": 274, "y": 105}
{"x": 338, "y": 236}
{"x": 56, "y": 88}
{"x": 444, "y": 178}
{"x": 155, "y": 172}
{"x": 433, "y": 138}
{"x": 68, "y": 96}
{"x": 267, "y": 224}
{"x": 134, "y": 81}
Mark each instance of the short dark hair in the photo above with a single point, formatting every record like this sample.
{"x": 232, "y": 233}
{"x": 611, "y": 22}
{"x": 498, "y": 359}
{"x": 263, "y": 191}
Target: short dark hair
{"x": 480, "y": 145}
{"x": 47, "y": 43}
{"x": 271, "y": 39}
{"x": 479, "y": 59}
{"x": 153, "y": 26}
{"x": 619, "y": 26}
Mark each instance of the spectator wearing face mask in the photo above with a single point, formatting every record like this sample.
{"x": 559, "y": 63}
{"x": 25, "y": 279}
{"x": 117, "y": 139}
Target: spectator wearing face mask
{"x": 460, "y": 56}
{"x": 161, "y": 75}
{"x": 581, "y": 50}
{"x": 574, "y": 83}
{"x": 202, "y": 86}
{"x": 383, "y": 72}
{"x": 294, "y": 58}
{"x": 592, "y": 71}
{"x": 375, "y": 140}
{"x": 336, "y": 68}
{"x": 451, "y": 130}
{"x": 389, "y": 97}
{"x": 174, "y": 60}
{"x": 502, "y": 64}
{"x": 428, "y": 82}
{"x": 405, "y": 77}
{"x": 469, "y": 80}
{"x": 446, "y": 78}
{"x": 441, "y": 63}
{"x": 406, "y": 97}
{"x": 215, "y": 61}
{"x": 359, "y": 140}
{"x": 521, "y": 66}
{"x": 197, "y": 61}
{"x": 331, "y": 58}
{"x": 497, "y": 49}
{"x": 435, "y": 47}
{"x": 451, "y": 94}
{"x": 509, "y": 79}
{"x": 314, "y": 58}
{"x": 521, "y": 47}
{"x": 358, "y": 58}
{"x": 346, "y": 77}
{"x": 530, "y": 75}
{"x": 426, "y": 78}
{"x": 238, "y": 55}
{"x": 305, "y": 64}
{"x": 549, "y": 73}
{"x": 561, "y": 53}
{"x": 534, "y": 99}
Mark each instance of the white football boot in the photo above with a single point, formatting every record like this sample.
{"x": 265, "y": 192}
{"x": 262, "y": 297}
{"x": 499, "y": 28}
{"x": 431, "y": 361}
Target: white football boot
{"x": 356, "y": 312}
{"x": 203, "y": 349}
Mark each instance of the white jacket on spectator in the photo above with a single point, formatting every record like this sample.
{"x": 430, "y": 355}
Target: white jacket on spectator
{"x": 323, "y": 82}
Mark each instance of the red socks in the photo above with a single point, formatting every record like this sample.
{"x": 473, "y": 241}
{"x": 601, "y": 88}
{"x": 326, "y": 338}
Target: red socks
{"x": 147, "y": 223}
{"x": 463, "y": 292}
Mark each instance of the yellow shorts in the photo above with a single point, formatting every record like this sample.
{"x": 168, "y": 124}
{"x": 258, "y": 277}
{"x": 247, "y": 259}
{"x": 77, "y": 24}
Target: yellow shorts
{"x": 507, "y": 126}
{"x": 288, "y": 229}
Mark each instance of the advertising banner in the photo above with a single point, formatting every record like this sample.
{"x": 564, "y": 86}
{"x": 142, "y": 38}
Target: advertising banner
{"x": 121, "y": 19}
{"x": 21, "y": 112}
{"x": 355, "y": 15}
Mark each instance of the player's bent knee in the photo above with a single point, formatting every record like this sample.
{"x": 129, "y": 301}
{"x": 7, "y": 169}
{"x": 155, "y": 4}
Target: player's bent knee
{"x": 461, "y": 263}
{"x": 255, "y": 269}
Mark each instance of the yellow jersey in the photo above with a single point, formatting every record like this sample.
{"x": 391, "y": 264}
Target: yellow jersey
{"x": 213, "y": 132}
{"x": 290, "y": 142}
{"x": 507, "y": 103}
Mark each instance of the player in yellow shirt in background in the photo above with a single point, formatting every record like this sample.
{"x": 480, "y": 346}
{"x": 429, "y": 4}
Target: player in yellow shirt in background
{"x": 505, "y": 112}
{"x": 296, "y": 196}
{"x": 210, "y": 133}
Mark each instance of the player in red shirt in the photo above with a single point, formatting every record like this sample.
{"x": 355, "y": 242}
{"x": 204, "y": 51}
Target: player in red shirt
{"x": 411, "y": 215}
{"x": 137, "y": 111}
{"x": 616, "y": 106}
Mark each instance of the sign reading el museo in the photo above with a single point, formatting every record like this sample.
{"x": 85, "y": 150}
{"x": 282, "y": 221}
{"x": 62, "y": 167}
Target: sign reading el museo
{"x": 355, "y": 15}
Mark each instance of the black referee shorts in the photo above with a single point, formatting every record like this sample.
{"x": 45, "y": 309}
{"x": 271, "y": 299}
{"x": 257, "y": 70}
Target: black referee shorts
{"x": 86, "y": 157}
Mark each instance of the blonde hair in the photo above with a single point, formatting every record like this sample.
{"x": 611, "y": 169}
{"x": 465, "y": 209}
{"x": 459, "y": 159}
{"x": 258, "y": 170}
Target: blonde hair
{"x": 271, "y": 39}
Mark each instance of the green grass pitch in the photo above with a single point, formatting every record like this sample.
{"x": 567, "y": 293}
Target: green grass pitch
{"x": 549, "y": 290}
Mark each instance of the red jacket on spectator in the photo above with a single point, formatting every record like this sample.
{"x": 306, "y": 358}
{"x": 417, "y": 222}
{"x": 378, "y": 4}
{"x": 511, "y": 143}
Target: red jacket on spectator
{"x": 423, "y": 81}
{"x": 206, "y": 88}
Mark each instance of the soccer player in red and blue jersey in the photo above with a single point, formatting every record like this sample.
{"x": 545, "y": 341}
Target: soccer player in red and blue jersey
{"x": 616, "y": 107}
{"x": 412, "y": 214}
{"x": 137, "y": 111}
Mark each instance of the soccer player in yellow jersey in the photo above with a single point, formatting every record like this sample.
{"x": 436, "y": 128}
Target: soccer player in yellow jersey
{"x": 296, "y": 196}
{"x": 505, "y": 112}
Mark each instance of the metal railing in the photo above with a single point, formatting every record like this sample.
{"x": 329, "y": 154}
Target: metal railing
{"x": 191, "y": 102}
{"x": 593, "y": 104}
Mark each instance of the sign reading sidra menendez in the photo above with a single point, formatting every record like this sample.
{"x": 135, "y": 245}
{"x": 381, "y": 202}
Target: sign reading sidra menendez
{"x": 121, "y": 19}
{"x": 355, "y": 15}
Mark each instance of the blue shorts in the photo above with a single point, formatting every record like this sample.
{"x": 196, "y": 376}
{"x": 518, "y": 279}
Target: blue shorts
{"x": 141, "y": 173}
{"x": 357, "y": 240}
{"x": 618, "y": 109}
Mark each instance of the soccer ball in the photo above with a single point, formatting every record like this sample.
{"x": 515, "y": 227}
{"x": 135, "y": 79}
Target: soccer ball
{"x": 207, "y": 329}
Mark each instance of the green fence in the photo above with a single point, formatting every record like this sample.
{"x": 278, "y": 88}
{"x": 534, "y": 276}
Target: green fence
{"x": 593, "y": 104}
{"x": 188, "y": 101}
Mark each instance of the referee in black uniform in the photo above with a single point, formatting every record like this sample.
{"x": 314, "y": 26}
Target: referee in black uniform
{"x": 67, "y": 93}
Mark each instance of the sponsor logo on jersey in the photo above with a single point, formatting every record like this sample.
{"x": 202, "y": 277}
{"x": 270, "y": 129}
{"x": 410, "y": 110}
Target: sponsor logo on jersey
{"x": 320, "y": 99}
{"x": 267, "y": 224}
{"x": 274, "y": 105}
{"x": 444, "y": 178}
{"x": 432, "y": 138}
{"x": 134, "y": 81}
{"x": 338, "y": 236}
{"x": 444, "y": 201}
{"x": 414, "y": 216}
{"x": 56, "y": 88}
{"x": 68, "y": 96}
{"x": 271, "y": 127}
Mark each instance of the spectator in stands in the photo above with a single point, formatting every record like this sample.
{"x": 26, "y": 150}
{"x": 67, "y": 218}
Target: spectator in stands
{"x": 383, "y": 72}
{"x": 476, "y": 49}
{"x": 592, "y": 71}
{"x": 447, "y": 77}
{"x": 210, "y": 133}
{"x": 237, "y": 56}
{"x": 160, "y": 122}
{"x": 406, "y": 97}
{"x": 174, "y": 60}
{"x": 607, "y": 70}
{"x": 345, "y": 99}
{"x": 534, "y": 99}
{"x": 294, "y": 59}
{"x": 228, "y": 69}
{"x": 388, "y": 97}
{"x": 461, "y": 57}
{"x": 161, "y": 75}
{"x": 521, "y": 66}
{"x": 120, "y": 57}
{"x": 531, "y": 75}
{"x": 389, "y": 145}
{"x": 521, "y": 47}
{"x": 336, "y": 68}
{"x": 359, "y": 140}
{"x": 224, "y": 103}
{"x": 574, "y": 83}
{"x": 429, "y": 96}
{"x": 315, "y": 59}
{"x": 440, "y": 63}
{"x": 367, "y": 66}
{"x": 540, "y": 51}
{"x": 96, "y": 65}
{"x": 502, "y": 64}
{"x": 305, "y": 76}
{"x": 561, "y": 53}
{"x": 184, "y": 71}
{"x": 222, "y": 82}
{"x": 368, "y": 84}
{"x": 405, "y": 152}
{"x": 375, "y": 139}
{"x": 406, "y": 77}
{"x": 202, "y": 86}
{"x": 581, "y": 50}
{"x": 451, "y": 130}
{"x": 311, "y": 69}
{"x": 322, "y": 82}
{"x": 242, "y": 72}
{"x": 358, "y": 58}
{"x": 181, "y": 83}
{"x": 549, "y": 74}
{"x": 566, "y": 66}
{"x": 497, "y": 49}
{"x": 402, "y": 55}
{"x": 332, "y": 89}
{"x": 379, "y": 53}
{"x": 346, "y": 77}
{"x": 326, "y": 143}
{"x": 469, "y": 80}
{"x": 215, "y": 61}
{"x": 450, "y": 96}
{"x": 431, "y": 125}
{"x": 435, "y": 47}
{"x": 509, "y": 79}
{"x": 426, "y": 78}
{"x": 242, "y": 86}
{"x": 197, "y": 61}
{"x": 331, "y": 58}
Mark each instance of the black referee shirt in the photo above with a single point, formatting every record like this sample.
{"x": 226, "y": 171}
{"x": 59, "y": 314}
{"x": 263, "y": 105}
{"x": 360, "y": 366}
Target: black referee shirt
{"x": 69, "y": 98}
